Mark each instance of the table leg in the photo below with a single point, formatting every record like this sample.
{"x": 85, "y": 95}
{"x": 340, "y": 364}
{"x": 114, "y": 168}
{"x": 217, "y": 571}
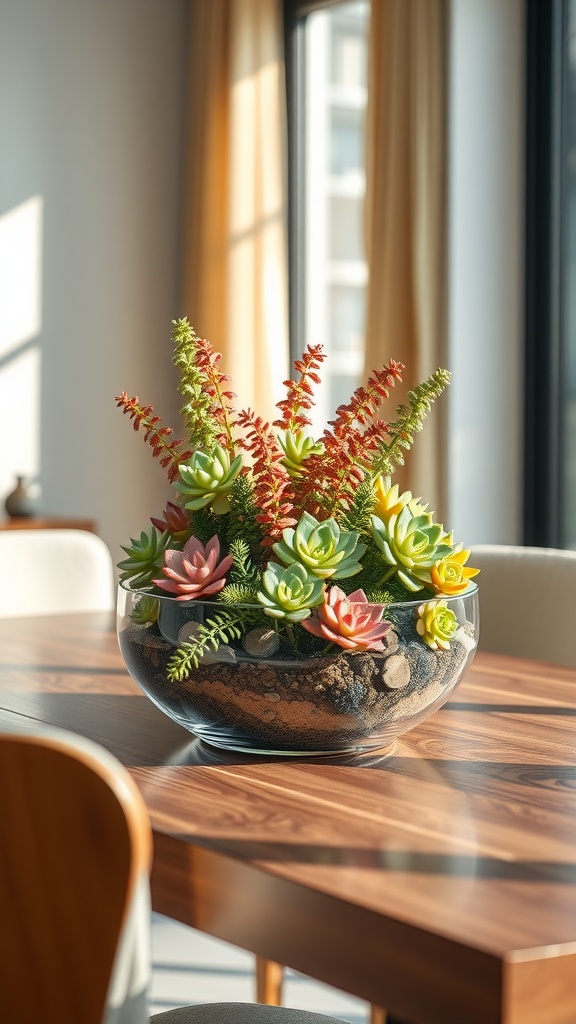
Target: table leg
{"x": 269, "y": 977}
{"x": 377, "y": 1014}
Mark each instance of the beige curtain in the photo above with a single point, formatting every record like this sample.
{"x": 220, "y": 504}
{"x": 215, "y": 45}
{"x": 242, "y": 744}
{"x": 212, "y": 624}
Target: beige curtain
{"x": 235, "y": 239}
{"x": 405, "y": 216}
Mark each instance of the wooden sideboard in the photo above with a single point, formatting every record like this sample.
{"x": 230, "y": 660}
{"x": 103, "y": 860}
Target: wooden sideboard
{"x": 47, "y": 523}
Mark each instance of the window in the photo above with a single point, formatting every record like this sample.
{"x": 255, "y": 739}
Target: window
{"x": 327, "y": 65}
{"x": 550, "y": 463}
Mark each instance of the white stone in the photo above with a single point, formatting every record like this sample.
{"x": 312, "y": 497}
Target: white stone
{"x": 187, "y": 632}
{"x": 396, "y": 671}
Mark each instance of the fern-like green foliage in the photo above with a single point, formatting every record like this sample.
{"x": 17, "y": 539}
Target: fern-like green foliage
{"x": 243, "y": 578}
{"x": 410, "y": 420}
{"x": 205, "y": 524}
{"x": 203, "y": 430}
{"x": 238, "y": 593}
{"x": 242, "y": 522}
{"x": 221, "y": 629}
{"x": 357, "y": 517}
{"x": 380, "y": 596}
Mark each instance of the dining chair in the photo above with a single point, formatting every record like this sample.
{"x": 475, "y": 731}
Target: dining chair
{"x": 75, "y": 856}
{"x": 45, "y": 572}
{"x": 48, "y": 571}
{"x": 527, "y": 601}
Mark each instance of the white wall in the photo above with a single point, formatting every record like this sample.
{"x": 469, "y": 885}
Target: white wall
{"x": 91, "y": 118}
{"x": 485, "y": 285}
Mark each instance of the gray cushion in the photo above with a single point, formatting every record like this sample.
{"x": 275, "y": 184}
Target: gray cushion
{"x": 239, "y": 1013}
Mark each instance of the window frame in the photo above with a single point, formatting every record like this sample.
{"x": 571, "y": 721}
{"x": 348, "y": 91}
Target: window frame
{"x": 544, "y": 245}
{"x": 295, "y": 13}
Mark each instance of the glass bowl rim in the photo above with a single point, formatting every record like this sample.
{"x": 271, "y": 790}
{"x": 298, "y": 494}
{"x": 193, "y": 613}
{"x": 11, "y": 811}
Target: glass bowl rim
{"x": 471, "y": 591}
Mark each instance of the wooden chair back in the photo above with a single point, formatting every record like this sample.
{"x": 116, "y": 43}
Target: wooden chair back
{"x": 74, "y": 838}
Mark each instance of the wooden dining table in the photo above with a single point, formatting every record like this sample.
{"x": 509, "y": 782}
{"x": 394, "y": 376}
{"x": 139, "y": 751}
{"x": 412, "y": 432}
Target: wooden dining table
{"x": 439, "y": 881}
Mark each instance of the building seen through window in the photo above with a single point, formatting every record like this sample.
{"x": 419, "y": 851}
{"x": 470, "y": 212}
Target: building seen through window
{"x": 331, "y": 243}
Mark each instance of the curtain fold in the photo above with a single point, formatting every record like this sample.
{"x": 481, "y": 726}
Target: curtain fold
{"x": 405, "y": 217}
{"x": 235, "y": 227}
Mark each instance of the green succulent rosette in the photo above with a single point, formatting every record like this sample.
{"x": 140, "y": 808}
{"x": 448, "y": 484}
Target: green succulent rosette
{"x": 297, "y": 447}
{"x": 289, "y": 592}
{"x": 410, "y": 544}
{"x": 145, "y": 555}
{"x": 146, "y": 611}
{"x": 436, "y": 623}
{"x": 207, "y": 479}
{"x": 322, "y": 548}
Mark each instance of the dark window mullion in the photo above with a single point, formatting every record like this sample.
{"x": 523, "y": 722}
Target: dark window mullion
{"x": 543, "y": 310}
{"x": 557, "y": 265}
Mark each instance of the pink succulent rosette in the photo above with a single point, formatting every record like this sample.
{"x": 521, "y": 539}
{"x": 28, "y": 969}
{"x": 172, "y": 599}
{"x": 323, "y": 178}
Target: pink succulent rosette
{"x": 195, "y": 571}
{"x": 176, "y": 520}
{"x": 349, "y": 621}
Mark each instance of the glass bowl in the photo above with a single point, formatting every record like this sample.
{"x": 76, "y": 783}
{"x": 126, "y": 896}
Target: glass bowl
{"x": 271, "y": 703}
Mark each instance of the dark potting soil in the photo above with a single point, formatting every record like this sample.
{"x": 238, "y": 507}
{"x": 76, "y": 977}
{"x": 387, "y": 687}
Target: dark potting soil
{"x": 310, "y": 704}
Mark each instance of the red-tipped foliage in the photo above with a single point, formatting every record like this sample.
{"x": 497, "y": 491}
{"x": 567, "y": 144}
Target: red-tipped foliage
{"x": 332, "y": 477}
{"x": 272, "y": 484}
{"x": 169, "y": 453}
{"x": 300, "y": 392}
{"x": 365, "y": 401}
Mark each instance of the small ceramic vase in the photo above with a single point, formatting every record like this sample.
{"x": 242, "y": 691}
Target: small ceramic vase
{"x": 19, "y": 502}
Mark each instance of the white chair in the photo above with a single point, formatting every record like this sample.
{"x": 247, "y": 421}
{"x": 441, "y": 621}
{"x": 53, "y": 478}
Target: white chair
{"x": 527, "y": 601}
{"x": 75, "y": 852}
{"x": 45, "y": 572}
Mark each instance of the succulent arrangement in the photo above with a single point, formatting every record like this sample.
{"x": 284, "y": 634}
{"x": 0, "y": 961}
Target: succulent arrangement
{"x": 301, "y": 542}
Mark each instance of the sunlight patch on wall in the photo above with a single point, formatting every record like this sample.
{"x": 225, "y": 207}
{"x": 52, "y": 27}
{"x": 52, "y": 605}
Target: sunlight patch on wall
{"x": 20, "y": 325}
{"x": 20, "y": 274}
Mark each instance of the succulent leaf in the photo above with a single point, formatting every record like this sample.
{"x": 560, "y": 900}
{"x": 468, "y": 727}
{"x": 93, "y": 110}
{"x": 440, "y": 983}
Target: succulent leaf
{"x": 349, "y": 621}
{"x": 297, "y": 447}
{"x": 322, "y": 548}
{"x": 410, "y": 544}
{"x": 146, "y": 611}
{"x": 176, "y": 521}
{"x": 195, "y": 571}
{"x": 207, "y": 479}
{"x": 288, "y": 592}
{"x": 144, "y": 557}
{"x": 436, "y": 624}
{"x": 450, "y": 575}
{"x": 389, "y": 500}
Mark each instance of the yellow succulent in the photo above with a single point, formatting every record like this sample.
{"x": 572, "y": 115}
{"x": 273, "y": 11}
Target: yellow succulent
{"x": 436, "y": 624}
{"x": 449, "y": 575}
{"x": 390, "y": 502}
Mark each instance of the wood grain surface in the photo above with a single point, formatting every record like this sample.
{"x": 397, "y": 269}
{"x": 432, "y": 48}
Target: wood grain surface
{"x": 47, "y": 523}
{"x": 439, "y": 882}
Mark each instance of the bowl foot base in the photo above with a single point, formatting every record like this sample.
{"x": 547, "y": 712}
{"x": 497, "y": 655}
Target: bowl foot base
{"x": 347, "y": 754}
